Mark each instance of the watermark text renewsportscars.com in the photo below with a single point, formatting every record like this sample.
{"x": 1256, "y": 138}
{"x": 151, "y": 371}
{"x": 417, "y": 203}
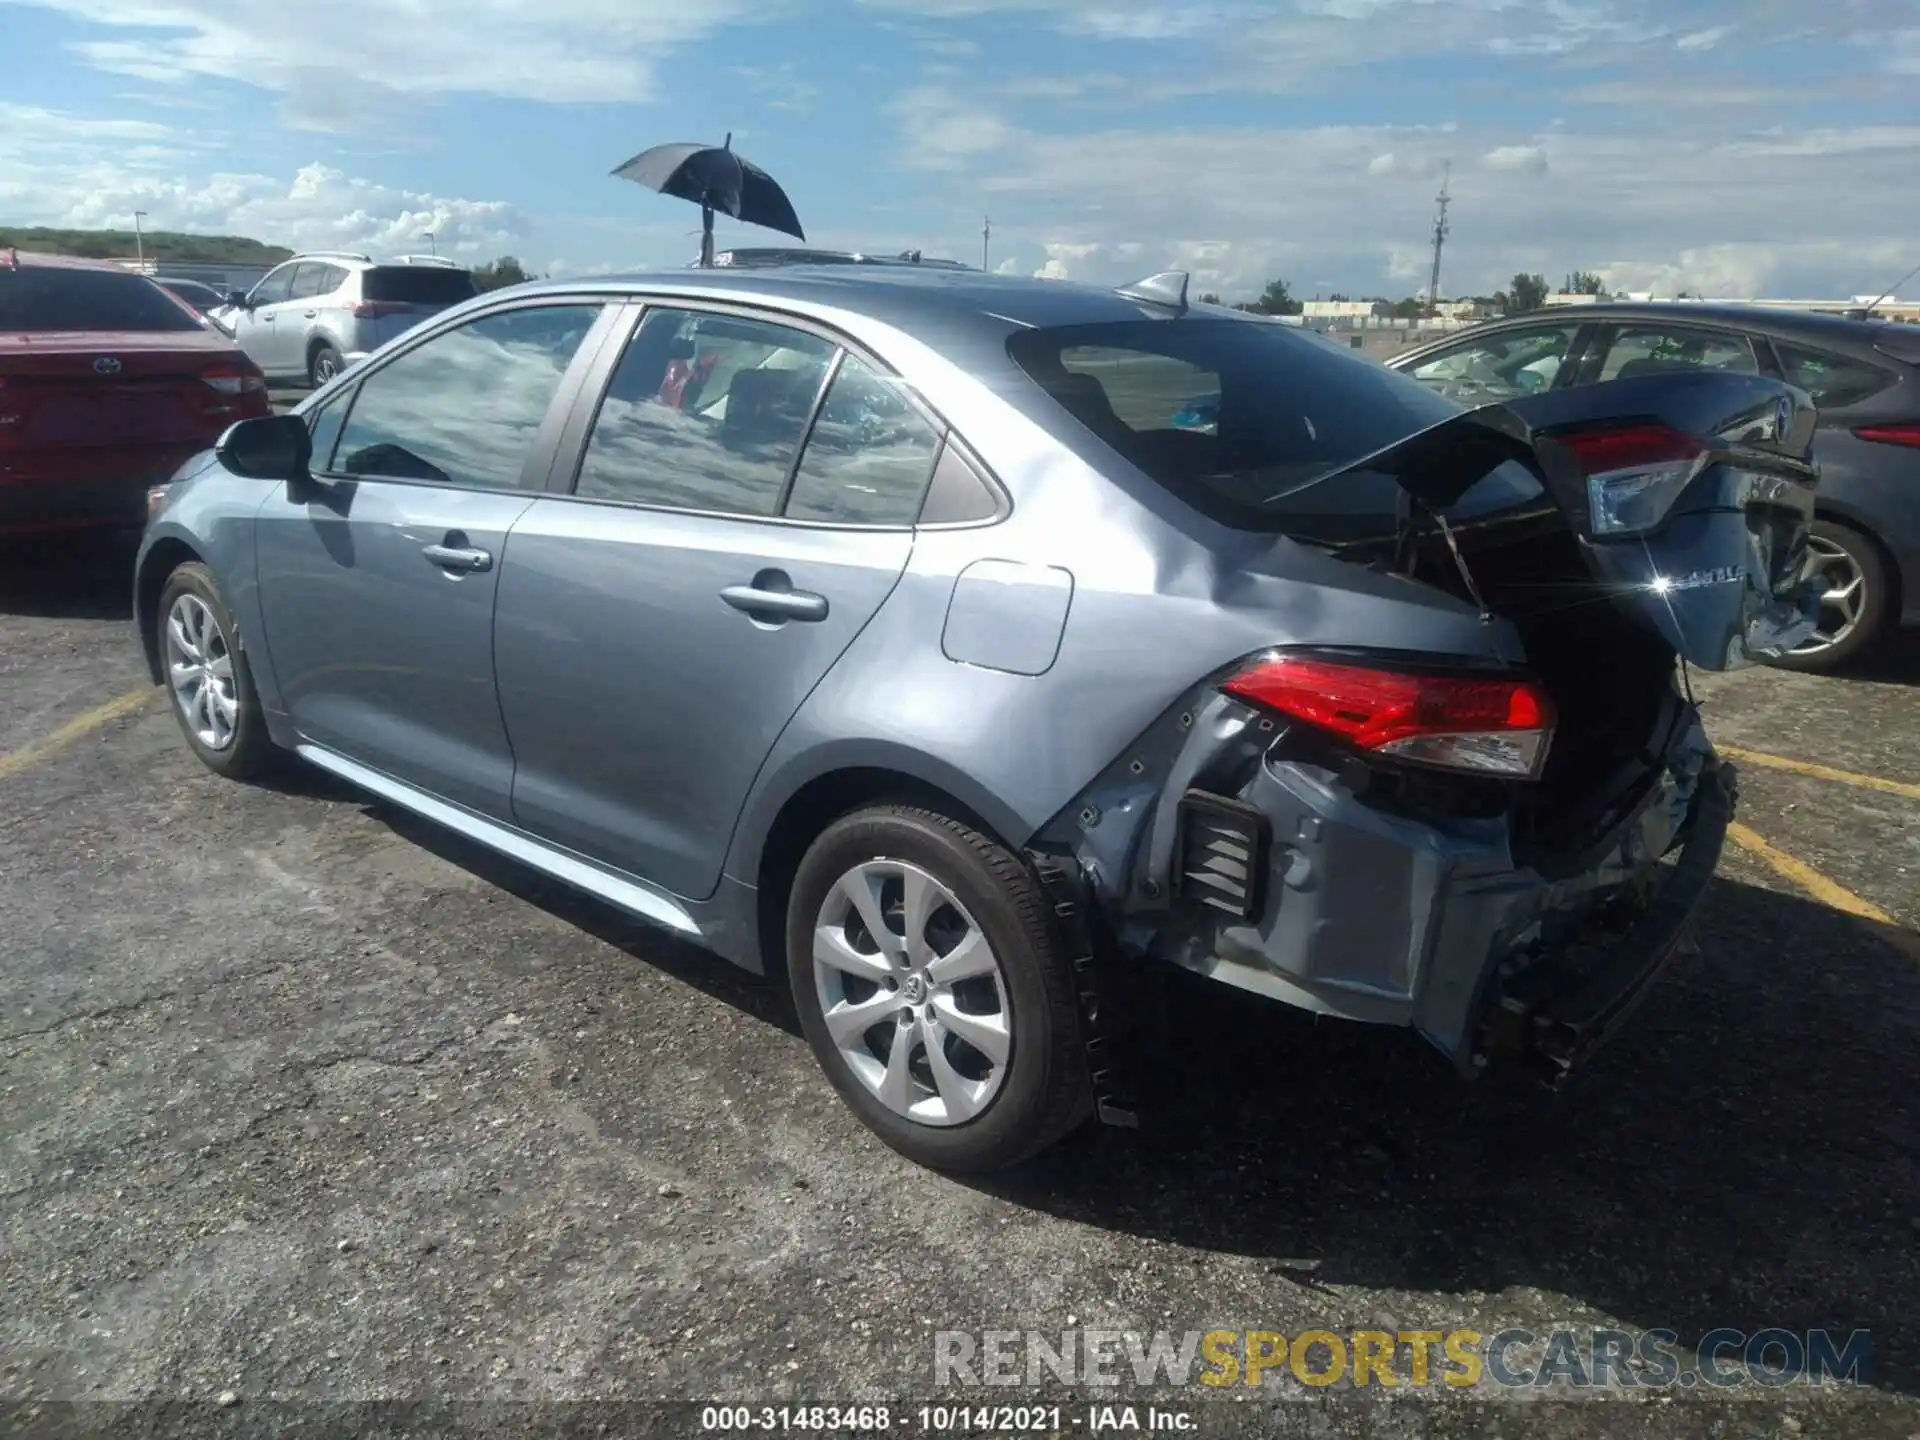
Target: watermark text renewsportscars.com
{"x": 1571, "y": 1358}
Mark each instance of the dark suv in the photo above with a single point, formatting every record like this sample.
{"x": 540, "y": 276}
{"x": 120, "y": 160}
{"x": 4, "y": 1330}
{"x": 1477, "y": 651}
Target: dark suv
{"x": 1863, "y": 374}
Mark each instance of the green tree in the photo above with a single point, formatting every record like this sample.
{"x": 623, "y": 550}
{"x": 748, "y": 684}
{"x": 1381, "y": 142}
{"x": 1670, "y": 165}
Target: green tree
{"x": 1209, "y": 298}
{"x": 495, "y": 274}
{"x": 1585, "y": 282}
{"x": 1526, "y": 292}
{"x": 1276, "y": 299}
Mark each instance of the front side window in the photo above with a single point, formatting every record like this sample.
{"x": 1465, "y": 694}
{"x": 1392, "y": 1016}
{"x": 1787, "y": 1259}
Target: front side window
{"x": 1503, "y": 366}
{"x": 868, "y": 456}
{"x": 1664, "y": 349}
{"x": 464, "y": 407}
{"x": 704, "y": 412}
{"x": 273, "y": 289}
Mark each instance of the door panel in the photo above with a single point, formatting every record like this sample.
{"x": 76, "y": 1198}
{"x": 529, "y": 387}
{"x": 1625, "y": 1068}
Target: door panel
{"x": 255, "y": 325}
{"x": 656, "y": 631}
{"x": 383, "y": 654}
{"x": 640, "y": 701}
{"x": 378, "y": 579}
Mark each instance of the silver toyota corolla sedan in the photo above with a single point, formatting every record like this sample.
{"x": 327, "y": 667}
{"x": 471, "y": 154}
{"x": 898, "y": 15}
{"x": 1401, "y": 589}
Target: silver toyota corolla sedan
{"x": 919, "y": 635}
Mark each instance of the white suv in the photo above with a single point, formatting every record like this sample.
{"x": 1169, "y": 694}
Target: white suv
{"x": 306, "y": 316}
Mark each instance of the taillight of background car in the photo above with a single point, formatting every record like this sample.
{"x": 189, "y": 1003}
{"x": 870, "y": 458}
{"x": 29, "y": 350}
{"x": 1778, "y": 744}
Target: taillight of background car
{"x": 1483, "y": 726}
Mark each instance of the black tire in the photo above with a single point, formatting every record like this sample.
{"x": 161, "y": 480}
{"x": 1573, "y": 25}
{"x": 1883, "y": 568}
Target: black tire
{"x": 1870, "y": 626}
{"x": 251, "y": 751}
{"x": 323, "y": 365}
{"x": 1043, "y": 1091}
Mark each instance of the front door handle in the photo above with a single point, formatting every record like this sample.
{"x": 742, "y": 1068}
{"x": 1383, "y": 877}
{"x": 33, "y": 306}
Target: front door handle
{"x": 460, "y": 559}
{"x": 309, "y": 313}
{"x": 763, "y": 604}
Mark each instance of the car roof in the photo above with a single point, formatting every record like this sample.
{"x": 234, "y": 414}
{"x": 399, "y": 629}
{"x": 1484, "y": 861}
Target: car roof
{"x": 929, "y": 303}
{"x": 1764, "y": 319}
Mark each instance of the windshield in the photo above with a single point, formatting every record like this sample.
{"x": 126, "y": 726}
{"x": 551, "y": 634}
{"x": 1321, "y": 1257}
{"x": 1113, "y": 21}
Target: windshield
{"x": 44, "y": 298}
{"x": 417, "y": 285}
{"x": 1237, "y": 418}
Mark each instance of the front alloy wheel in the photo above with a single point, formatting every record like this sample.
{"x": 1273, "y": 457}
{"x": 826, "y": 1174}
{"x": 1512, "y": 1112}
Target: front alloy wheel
{"x": 200, "y": 672}
{"x": 207, "y": 676}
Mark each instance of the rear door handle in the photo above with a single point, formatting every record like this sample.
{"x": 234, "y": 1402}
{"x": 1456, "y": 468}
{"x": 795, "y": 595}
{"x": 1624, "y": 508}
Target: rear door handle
{"x": 775, "y": 604}
{"x": 310, "y": 313}
{"x": 460, "y": 559}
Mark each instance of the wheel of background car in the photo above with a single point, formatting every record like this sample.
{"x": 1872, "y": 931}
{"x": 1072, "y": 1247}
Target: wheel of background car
{"x": 207, "y": 677}
{"x": 930, "y": 985}
{"x": 1853, "y": 601}
{"x": 324, "y": 365}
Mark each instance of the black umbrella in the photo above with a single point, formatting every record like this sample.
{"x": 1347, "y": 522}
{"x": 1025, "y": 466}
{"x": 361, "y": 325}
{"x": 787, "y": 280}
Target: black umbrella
{"x": 715, "y": 179}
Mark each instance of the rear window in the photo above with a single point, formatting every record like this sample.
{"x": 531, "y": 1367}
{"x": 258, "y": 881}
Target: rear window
{"x": 1834, "y": 381}
{"x": 417, "y": 285}
{"x": 54, "y": 297}
{"x": 1236, "y": 417}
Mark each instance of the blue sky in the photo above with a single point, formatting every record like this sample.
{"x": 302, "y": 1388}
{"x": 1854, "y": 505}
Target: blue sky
{"x": 1761, "y": 147}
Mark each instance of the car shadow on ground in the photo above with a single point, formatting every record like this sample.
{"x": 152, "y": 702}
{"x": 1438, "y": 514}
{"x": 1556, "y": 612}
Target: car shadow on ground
{"x": 702, "y": 969}
{"x": 68, "y": 577}
{"x": 1747, "y": 1155}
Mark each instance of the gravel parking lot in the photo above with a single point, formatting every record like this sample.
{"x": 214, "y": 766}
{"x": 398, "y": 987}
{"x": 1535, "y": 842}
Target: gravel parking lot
{"x": 301, "y": 1100}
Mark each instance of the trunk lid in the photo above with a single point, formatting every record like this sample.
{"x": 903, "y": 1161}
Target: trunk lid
{"x": 66, "y": 390}
{"x": 1688, "y": 497}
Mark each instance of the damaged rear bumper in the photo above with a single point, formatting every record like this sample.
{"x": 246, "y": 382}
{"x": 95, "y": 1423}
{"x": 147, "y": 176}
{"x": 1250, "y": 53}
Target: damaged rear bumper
{"x": 1273, "y": 876}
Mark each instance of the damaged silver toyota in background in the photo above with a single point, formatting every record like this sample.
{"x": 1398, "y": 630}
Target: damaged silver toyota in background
{"x": 909, "y": 631}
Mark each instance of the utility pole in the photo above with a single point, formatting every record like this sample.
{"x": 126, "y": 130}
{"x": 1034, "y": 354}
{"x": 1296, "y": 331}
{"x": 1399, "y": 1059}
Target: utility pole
{"x": 139, "y": 241}
{"x": 1440, "y": 232}
{"x": 986, "y": 234}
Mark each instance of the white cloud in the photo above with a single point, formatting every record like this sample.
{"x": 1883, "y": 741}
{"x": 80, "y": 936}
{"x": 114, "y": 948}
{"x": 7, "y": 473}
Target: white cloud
{"x": 1805, "y": 210}
{"x": 343, "y": 64}
{"x": 1523, "y": 159}
{"x": 68, "y": 170}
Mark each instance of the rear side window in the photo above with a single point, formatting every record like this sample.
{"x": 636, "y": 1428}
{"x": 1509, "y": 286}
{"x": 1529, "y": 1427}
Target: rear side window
{"x": 868, "y": 456}
{"x": 704, "y": 412}
{"x": 1834, "y": 381}
{"x": 1237, "y": 417}
{"x": 1661, "y": 350}
{"x": 416, "y": 285}
{"x": 39, "y": 298}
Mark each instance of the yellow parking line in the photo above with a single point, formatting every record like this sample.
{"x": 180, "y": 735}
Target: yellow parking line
{"x": 15, "y": 761}
{"x": 1819, "y": 772}
{"x": 1828, "y": 892}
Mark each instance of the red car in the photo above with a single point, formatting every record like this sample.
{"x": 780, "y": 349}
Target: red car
{"x": 107, "y": 384}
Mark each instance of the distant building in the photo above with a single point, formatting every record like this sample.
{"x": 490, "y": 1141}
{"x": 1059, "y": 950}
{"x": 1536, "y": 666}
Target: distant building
{"x": 1907, "y": 311}
{"x": 1342, "y": 309}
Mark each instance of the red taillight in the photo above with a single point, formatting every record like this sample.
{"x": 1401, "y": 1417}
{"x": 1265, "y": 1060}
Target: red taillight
{"x": 230, "y": 377}
{"x": 1634, "y": 472}
{"x": 374, "y": 309}
{"x": 1629, "y": 447}
{"x": 1891, "y": 434}
{"x": 1490, "y": 726}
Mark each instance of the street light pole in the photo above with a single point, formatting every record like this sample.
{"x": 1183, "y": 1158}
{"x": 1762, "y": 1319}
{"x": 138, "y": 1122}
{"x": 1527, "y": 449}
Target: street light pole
{"x": 432, "y": 249}
{"x": 139, "y": 241}
{"x": 986, "y": 234}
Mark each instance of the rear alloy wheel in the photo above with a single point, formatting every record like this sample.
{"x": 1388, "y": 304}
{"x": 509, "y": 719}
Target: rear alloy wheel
{"x": 1853, "y": 598}
{"x": 932, "y": 991}
{"x": 208, "y": 679}
{"x": 324, "y": 364}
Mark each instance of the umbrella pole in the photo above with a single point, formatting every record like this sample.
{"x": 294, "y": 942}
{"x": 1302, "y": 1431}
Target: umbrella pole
{"x": 706, "y": 237}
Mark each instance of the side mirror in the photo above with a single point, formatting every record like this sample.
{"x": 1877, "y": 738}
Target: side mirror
{"x": 237, "y": 299}
{"x": 272, "y": 447}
